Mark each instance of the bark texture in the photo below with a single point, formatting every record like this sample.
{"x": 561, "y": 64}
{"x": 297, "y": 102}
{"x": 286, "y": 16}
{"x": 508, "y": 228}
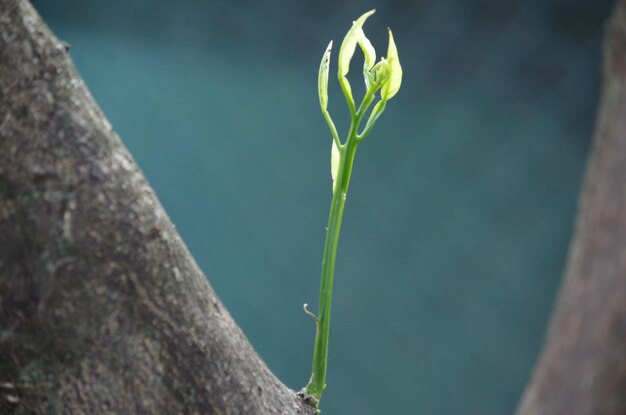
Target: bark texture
{"x": 582, "y": 369}
{"x": 102, "y": 308}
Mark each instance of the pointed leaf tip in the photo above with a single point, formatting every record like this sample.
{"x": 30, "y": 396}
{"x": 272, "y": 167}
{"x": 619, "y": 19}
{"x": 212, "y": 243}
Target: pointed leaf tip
{"x": 392, "y": 85}
{"x": 356, "y": 35}
{"x": 322, "y": 80}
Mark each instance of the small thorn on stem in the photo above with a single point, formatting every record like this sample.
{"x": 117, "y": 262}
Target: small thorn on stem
{"x": 306, "y": 310}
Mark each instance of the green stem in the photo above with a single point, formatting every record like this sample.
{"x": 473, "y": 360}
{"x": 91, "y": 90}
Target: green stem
{"x": 317, "y": 383}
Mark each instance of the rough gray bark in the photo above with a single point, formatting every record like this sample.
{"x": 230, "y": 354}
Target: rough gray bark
{"x": 582, "y": 369}
{"x": 102, "y": 308}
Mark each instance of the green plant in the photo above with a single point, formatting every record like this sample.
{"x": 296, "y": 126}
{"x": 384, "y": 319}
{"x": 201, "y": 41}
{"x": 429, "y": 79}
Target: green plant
{"x": 386, "y": 77}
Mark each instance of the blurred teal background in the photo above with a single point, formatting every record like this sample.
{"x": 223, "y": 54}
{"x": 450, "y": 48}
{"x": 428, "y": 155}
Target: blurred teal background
{"x": 462, "y": 200}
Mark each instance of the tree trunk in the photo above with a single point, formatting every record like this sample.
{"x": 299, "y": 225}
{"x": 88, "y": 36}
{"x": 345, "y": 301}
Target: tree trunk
{"x": 582, "y": 369}
{"x": 102, "y": 308}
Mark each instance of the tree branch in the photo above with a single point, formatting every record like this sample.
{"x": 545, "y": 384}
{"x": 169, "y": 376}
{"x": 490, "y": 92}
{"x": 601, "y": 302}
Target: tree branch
{"x": 102, "y": 308}
{"x": 582, "y": 369}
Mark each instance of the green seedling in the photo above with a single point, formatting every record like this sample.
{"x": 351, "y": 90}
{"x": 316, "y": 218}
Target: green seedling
{"x": 382, "y": 78}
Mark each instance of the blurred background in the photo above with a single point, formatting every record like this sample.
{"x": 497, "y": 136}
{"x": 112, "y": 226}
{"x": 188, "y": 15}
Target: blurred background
{"x": 462, "y": 199}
